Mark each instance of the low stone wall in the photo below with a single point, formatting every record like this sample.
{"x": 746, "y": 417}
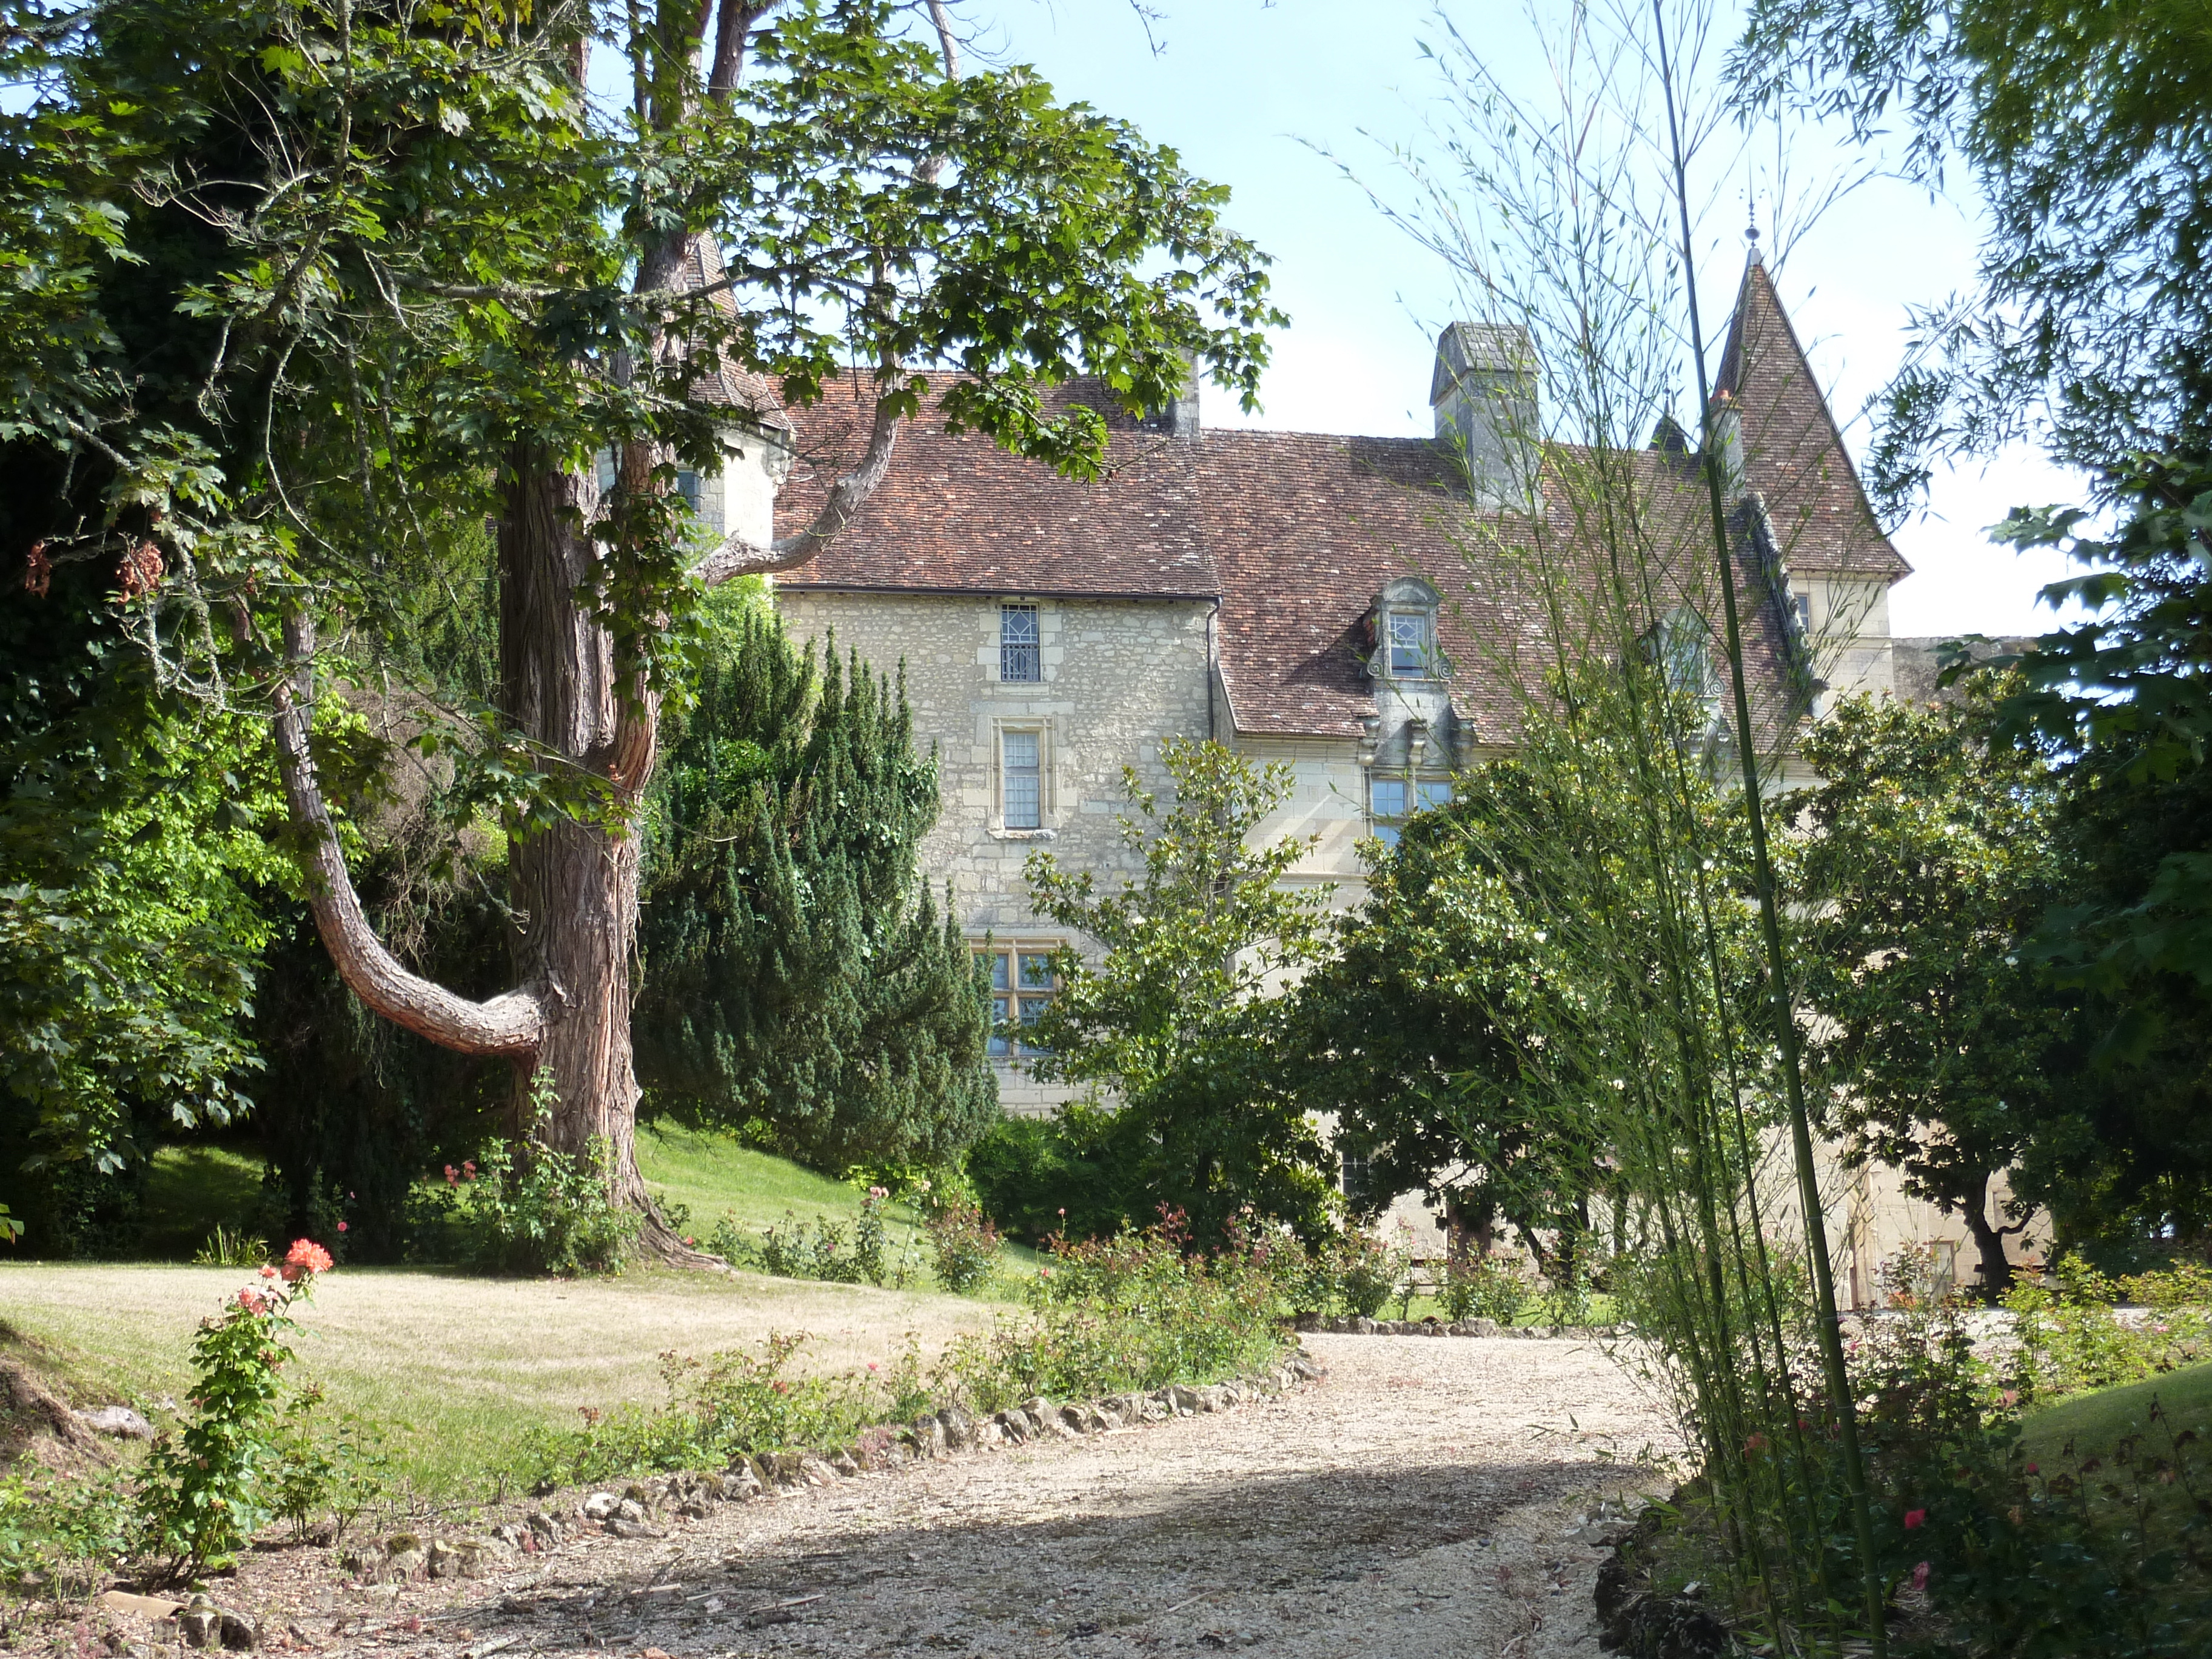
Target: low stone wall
{"x": 1319, "y": 1325}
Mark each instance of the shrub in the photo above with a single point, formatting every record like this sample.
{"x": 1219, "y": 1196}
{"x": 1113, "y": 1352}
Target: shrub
{"x": 67, "y": 1532}
{"x": 1481, "y": 1287}
{"x": 2071, "y": 1337}
{"x": 1365, "y": 1272}
{"x": 338, "y": 1468}
{"x": 964, "y": 1245}
{"x": 823, "y": 1249}
{"x": 227, "y": 1247}
{"x": 531, "y": 1209}
{"x": 1037, "y": 1177}
{"x": 206, "y": 1490}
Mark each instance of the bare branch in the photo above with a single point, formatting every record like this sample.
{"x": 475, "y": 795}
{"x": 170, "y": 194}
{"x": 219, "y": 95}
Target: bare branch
{"x": 513, "y": 1023}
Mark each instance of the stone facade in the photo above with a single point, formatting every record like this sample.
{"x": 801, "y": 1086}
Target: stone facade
{"x": 1116, "y": 679}
{"x": 1293, "y": 595}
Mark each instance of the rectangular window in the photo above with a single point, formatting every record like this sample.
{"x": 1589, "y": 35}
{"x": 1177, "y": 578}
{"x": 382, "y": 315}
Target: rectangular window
{"x": 1022, "y": 988}
{"x": 1431, "y": 792}
{"x": 1020, "y": 645}
{"x": 1354, "y": 1176}
{"x": 1385, "y": 806}
{"x": 1023, "y": 778}
{"x": 1409, "y": 642}
{"x": 1801, "y": 610}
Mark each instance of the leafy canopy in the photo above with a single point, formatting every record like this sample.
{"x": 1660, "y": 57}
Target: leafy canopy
{"x": 1180, "y": 1022}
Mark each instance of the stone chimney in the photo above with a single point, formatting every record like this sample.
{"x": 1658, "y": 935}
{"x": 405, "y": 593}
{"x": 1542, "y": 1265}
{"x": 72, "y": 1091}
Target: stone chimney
{"x": 1179, "y": 419}
{"x": 1484, "y": 397}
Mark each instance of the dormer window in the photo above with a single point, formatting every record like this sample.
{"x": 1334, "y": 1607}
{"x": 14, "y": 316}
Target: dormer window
{"x": 1407, "y": 634}
{"x": 1404, "y": 621}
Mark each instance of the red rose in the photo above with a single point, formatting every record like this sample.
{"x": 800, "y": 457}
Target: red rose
{"x": 1915, "y": 1518}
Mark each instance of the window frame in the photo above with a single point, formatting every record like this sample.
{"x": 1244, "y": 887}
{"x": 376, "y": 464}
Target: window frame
{"x": 1422, "y": 650}
{"x": 1017, "y": 1001}
{"x": 1015, "y": 652}
{"x": 1006, "y": 774}
{"x": 1416, "y": 793}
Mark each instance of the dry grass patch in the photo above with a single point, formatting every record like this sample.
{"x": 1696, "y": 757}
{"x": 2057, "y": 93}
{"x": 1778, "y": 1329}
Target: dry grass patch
{"x": 460, "y": 1371}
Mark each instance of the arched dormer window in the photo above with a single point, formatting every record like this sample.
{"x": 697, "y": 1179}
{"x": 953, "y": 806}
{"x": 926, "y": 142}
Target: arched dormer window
{"x": 1681, "y": 645}
{"x": 1405, "y": 623}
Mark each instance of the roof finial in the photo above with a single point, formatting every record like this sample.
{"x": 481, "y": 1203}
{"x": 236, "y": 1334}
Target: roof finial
{"x": 1750, "y": 230}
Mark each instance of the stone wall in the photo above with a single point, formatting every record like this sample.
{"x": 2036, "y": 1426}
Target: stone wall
{"x": 1119, "y": 677}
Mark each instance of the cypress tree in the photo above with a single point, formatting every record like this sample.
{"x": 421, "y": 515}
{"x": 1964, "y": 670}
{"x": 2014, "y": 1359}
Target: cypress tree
{"x": 800, "y": 984}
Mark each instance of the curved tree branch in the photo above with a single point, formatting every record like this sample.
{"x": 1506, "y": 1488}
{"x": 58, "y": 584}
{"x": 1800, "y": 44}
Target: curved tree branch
{"x": 512, "y": 1023}
{"x": 737, "y": 556}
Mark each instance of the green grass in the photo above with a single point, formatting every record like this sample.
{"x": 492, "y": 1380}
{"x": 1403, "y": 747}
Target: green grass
{"x": 712, "y": 1176}
{"x": 2096, "y": 1423}
{"x": 460, "y": 1371}
{"x": 190, "y": 1191}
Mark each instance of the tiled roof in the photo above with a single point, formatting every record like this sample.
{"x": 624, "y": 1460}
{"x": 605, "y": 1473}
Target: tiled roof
{"x": 729, "y": 388}
{"x": 1793, "y": 453}
{"x": 1295, "y": 534}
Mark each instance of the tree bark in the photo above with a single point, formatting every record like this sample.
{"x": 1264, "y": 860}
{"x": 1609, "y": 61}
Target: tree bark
{"x": 1989, "y": 1240}
{"x": 575, "y": 885}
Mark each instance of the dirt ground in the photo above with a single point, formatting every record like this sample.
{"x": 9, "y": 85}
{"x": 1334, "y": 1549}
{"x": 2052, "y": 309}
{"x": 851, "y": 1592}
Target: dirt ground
{"x": 1428, "y": 1497}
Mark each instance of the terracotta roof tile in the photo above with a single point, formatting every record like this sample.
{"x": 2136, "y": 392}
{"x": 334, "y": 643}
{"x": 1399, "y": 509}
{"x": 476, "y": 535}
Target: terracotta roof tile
{"x": 1296, "y": 534}
{"x": 1794, "y": 454}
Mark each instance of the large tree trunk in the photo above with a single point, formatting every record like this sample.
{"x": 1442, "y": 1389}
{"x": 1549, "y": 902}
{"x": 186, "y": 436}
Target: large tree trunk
{"x": 574, "y": 885}
{"x": 1989, "y": 1240}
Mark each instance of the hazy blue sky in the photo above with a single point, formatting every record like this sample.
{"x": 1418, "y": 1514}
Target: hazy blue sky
{"x": 1243, "y": 88}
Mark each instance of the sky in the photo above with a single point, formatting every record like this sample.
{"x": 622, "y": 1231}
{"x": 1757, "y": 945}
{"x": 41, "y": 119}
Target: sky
{"x": 1248, "y": 92}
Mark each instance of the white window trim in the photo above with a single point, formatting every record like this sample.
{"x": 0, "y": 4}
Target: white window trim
{"x": 1047, "y": 804}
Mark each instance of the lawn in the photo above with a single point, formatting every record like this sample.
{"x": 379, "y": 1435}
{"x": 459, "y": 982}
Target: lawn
{"x": 462, "y": 1370}
{"x": 459, "y": 1370}
{"x": 2093, "y": 1425}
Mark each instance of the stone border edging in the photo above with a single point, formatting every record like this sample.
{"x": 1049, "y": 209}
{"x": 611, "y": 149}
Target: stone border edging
{"x": 1316, "y": 1324}
{"x": 640, "y": 1508}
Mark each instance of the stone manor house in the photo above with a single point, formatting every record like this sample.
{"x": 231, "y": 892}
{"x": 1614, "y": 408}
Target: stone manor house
{"x": 1305, "y": 598}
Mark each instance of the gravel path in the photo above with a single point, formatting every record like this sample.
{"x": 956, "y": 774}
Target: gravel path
{"x": 1422, "y": 1500}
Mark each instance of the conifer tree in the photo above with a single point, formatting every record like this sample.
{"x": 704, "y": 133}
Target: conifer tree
{"x": 798, "y": 977}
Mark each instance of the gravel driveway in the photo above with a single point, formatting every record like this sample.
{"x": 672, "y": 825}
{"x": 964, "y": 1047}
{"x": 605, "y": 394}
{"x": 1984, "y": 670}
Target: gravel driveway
{"x": 1422, "y": 1500}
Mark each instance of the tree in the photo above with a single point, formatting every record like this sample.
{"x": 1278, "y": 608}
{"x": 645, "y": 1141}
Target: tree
{"x": 1419, "y": 1034}
{"x": 425, "y": 280}
{"x": 797, "y": 978}
{"x": 1926, "y": 857}
{"x": 1181, "y": 1021}
{"x": 2086, "y": 126}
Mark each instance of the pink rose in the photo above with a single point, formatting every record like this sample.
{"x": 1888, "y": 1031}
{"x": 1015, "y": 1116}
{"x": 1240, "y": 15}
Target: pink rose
{"x": 1920, "y": 1576}
{"x": 1915, "y": 1519}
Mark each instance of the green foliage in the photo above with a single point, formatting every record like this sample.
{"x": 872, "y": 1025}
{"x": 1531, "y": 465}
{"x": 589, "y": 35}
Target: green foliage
{"x": 823, "y": 1249}
{"x": 1481, "y": 1288}
{"x": 2120, "y": 700}
{"x": 69, "y": 1530}
{"x": 1365, "y": 1272}
{"x": 798, "y": 980}
{"x": 324, "y": 1467}
{"x": 1927, "y": 856}
{"x": 2084, "y": 126}
{"x": 1136, "y": 1311}
{"x": 1040, "y": 1175}
{"x": 1178, "y": 1020}
{"x": 964, "y": 1245}
{"x": 226, "y": 1248}
{"x": 2072, "y": 1338}
{"x": 531, "y": 1209}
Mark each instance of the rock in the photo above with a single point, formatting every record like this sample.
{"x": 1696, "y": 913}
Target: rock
{"x": 781, "y": 1468}
{"x": 817, "y": 1471}
{"x": 404, "y": 1555}
{"x": 236, "y": 1631}
{"x": 959, "y": 1427}
{"x": 1304, "y": 1369}
{"x": 928, "y": 1436}
{"x": 846, "y": 1464}
{"x": 644, "y": 1496}
{"x": 740, "y": 1485}
{"x": 1071, "y": 1416}
{"x": 990, "y": 1432}
{"x": 463, "y": 1558}
{"x": 199, "y": 1626}
{"x": 631, "y": 1510}
{"x": 119, "y": 1421}
{"x": 599, "y": 1506}
{"x": 543, "y": 1528}
{"x": 1185, "y": 1401}
{"x": 1482, "y": 1327}
{"x": 1306, "y": 1321}
{"x": 514, "y": 1537}
{"x": 1363, "y": 1327}
{"x": 619, "y": 1527}
{"x": 1213, "y": 1397}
